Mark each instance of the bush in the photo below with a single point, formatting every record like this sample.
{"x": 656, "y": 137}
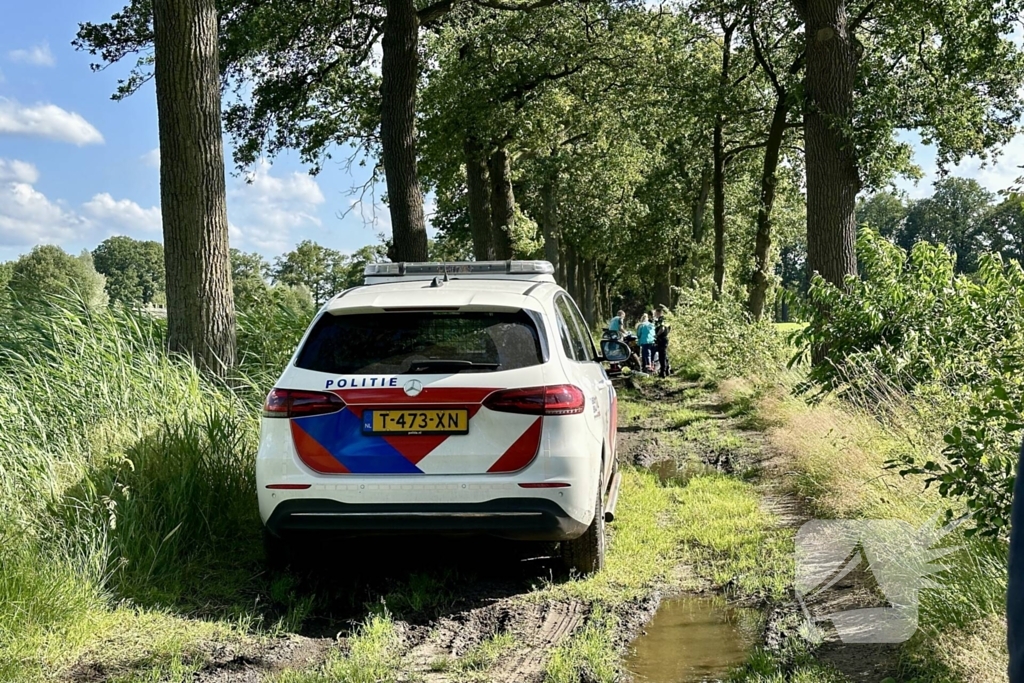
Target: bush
{"x": 49, "y": 271}
{"x": 716, "y": 339}
{"x": 269, "y": 331}
{"x": 913, "y": 319}
{"x": 913, "y": 323}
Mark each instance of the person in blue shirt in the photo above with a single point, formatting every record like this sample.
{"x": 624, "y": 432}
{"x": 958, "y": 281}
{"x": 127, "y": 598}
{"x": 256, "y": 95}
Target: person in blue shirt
{"x": 617, "y": 325}
{"x": 646, "y": 338}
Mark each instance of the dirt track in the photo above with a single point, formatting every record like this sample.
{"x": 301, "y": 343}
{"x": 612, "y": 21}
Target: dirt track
{"x": 449, "y": 596}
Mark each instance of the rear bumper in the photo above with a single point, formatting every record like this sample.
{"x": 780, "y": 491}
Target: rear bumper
{"x": 532, "y": 519}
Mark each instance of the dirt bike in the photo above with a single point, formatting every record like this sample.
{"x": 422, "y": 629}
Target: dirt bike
{"x": 631, "y": 340}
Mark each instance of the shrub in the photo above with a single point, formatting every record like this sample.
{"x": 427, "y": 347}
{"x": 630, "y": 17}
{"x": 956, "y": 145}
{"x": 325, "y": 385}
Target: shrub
{"x": 49, "y": 271}
{"x": 912, "y": 322}
{"x": 716, "y": 339}
{"x": 912, "y": 318}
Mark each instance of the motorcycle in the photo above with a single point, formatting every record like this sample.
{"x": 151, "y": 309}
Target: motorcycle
{"x": 632, "y": 341}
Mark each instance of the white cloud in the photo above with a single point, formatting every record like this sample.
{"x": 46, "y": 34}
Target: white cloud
{"x": 18, "y": 171}
{"x": 27, "y": 217}
{"x": 46, "y": 121}
{"x": 994, "y": 175}
{"x": 123, "y": 214}
{"x": 267, "y": 208}
{"x": 37, "y": 55}
{"x": 152, "y": 158}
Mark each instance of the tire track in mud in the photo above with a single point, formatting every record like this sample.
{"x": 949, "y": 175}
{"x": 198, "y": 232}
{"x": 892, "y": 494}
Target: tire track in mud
{"x": 536, "y": 629}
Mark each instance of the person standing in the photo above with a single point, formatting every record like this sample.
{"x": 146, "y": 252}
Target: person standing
{"x": 617, "y": 325}
{"x": 646, "y": 338}
{"x": 662, "y": 327}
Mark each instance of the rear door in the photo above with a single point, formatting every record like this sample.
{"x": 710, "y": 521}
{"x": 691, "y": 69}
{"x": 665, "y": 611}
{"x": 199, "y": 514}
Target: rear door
{"x": 591, "y": 374}
{"x": 415, "y": 385}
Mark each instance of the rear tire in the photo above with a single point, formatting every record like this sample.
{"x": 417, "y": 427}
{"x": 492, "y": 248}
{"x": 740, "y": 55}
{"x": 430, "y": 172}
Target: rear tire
{"x": 585, "y": 554}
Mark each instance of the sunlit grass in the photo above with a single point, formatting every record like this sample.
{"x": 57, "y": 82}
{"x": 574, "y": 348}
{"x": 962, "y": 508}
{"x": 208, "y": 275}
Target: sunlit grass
{"x": 373, "y": 656}
{"x": 589, "y": 655}
{"x": 714, "y": 525}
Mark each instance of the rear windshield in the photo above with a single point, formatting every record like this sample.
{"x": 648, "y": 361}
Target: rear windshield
{"x": 421, "y": 342}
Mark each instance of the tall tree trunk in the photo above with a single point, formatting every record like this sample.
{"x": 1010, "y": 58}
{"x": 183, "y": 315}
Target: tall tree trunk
{"x": 549, "y": 218}
{"x": 581, "y": 280}
{"x": 478, "y": 190}
{"x": 200, "y": 303}
{"x": 399, "y": 77}
{"x": 718, "y": 180}
{"x": 503, "y": 203}
{"x": 562, "y": 264}
{"x": 769, "y": 180}
{"x": 590, "y": 295}
{"x": 701, "y": 205}
{"x": 832, "y": 177}
{"x": 663, "y": 285}
{"x": 570, "y": 270}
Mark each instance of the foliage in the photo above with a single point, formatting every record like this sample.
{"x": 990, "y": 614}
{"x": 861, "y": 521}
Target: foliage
{"x": 913, "y": 318}
{"x": 269, "y": 331}
{"x": 6, "y": 270}
{"x": 49, "y": 271}
{"x": 134, "y": 269}
{"x": 913, "y": 322}
{"x": 322, "y": 271}
{"x": 249, "y": 273}
{"x": 951, "y": 216}
{"x": 103, "y": 438}
{"x": 885, "y": 212}
{"x": 716, "y": 340}
{"x": 1004, "y": 226}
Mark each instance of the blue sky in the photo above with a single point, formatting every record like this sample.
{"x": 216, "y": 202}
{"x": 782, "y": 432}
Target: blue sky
{"x": 77, "y": 167}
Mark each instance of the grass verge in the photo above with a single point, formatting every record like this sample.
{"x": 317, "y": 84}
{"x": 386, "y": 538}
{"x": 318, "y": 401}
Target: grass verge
{"x": 833, "y": 457}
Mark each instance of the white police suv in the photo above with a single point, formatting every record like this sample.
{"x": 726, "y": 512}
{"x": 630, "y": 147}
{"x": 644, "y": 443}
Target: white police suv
{"x": 445, "y": 398}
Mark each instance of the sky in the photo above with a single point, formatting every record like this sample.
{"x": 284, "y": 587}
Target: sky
{"x": 77, "y": 167}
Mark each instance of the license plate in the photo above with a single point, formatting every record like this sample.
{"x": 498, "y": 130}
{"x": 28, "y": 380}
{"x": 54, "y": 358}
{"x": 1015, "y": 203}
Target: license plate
{"x": 416, "y": 421}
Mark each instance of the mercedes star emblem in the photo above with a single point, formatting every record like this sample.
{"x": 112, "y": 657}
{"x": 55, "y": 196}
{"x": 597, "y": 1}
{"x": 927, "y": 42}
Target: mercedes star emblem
{"x": 413, "y": 387}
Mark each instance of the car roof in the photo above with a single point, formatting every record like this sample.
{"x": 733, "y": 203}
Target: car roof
{"x": 456, "y": 292}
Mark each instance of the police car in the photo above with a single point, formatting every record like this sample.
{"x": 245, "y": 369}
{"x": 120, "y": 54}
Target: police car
{"x": 455, "y": 398}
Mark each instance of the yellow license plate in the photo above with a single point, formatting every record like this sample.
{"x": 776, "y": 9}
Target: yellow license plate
{"x": 427, "y": 421}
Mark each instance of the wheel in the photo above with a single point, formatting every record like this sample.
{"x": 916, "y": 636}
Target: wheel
{"x": 585, "y": 554}
{"x": 278, "y": 551}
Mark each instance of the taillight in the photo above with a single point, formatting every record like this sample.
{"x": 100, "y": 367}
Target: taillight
{"x": 560, "y": 399}
{"x": 298, "y": 403}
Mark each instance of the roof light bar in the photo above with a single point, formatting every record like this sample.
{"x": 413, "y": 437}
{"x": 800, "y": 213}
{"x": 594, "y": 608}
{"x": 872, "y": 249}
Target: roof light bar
{"x": 469, "y": 268}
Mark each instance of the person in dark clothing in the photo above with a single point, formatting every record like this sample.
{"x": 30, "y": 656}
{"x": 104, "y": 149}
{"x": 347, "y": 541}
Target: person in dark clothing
{"x": 1015, "y": 584}
{"x": 662, "y": 327}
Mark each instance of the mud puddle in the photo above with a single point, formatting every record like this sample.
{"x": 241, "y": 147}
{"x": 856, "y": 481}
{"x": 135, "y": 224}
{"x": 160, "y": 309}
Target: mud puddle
{"x": 670, "y": 471}
{"x": 693, "y": 639}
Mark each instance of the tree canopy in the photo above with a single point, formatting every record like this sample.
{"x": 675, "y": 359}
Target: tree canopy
{"x": 134, "y": 269}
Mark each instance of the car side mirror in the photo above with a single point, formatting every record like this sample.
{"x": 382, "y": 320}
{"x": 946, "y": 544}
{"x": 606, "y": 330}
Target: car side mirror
{"x": 615, "y": 351}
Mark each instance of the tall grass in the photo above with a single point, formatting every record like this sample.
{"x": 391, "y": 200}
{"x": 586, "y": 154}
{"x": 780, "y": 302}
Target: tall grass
{"x": 124, "y": 473}
{"x": 834, "y": 457}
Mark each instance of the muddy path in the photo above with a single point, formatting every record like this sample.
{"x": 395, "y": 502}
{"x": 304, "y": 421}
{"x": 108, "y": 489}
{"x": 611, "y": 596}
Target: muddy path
{"x": 468, "y": 609}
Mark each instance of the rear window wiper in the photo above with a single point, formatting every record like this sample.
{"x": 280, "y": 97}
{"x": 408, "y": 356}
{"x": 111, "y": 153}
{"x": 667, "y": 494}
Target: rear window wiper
{"x": 448, "y": 366}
